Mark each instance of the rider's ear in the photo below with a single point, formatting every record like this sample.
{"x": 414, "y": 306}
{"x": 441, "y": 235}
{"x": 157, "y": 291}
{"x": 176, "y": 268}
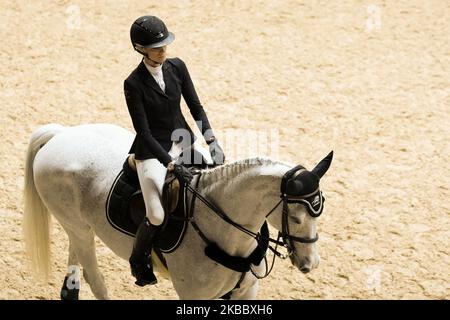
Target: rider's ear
{"x": 323, "y": 165}
{"x": 294, "y": 187}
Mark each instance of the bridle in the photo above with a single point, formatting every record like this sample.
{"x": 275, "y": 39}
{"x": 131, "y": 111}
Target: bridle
{"x": 288, "y": 240}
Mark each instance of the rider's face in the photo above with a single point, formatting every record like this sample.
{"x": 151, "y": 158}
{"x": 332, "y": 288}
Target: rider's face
{"x": 157, "y": 54}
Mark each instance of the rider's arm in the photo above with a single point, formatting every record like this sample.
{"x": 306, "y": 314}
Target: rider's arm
{"x": 136, "y": 108}
{"x": 192, "y": 100}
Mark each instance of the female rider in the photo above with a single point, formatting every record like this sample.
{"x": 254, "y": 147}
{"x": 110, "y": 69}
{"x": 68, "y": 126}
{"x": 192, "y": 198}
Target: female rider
{"x": 153, "y": 92}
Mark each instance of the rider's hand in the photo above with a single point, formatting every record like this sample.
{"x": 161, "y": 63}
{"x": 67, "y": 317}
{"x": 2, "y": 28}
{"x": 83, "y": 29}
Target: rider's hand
{"x": 216, "y": 152}
{"x": 182, "y": 173}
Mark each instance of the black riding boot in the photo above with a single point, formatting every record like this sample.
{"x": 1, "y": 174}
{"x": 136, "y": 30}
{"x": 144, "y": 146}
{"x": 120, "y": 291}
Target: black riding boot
{"x": 140, "y": 259}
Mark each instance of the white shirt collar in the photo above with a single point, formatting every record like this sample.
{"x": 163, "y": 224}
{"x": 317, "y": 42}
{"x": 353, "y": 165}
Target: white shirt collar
{"x": 153, "y": 70}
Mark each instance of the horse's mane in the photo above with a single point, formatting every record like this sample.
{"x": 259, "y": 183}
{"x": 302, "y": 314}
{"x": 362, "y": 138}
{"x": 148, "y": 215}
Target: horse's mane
{"x": 233, "y": 169}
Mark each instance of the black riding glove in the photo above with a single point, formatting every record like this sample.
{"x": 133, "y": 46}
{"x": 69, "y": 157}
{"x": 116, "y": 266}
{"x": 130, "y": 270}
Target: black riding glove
{"x": 182, "y": 173}
{"x": 216, "y": 152}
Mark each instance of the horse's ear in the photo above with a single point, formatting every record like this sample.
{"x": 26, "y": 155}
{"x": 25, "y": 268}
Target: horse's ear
{"x": 294, "y": 187}
{"x": 323, "y": 165}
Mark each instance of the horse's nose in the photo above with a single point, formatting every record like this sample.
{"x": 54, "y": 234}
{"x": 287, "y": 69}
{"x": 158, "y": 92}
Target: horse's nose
{"x": 305, "y": 269}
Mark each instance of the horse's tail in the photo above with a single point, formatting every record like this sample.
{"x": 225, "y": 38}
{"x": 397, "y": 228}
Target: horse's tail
{"x": 36, "y": 220}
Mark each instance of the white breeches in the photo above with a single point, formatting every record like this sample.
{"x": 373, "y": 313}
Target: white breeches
{"x": 152, "y": 174}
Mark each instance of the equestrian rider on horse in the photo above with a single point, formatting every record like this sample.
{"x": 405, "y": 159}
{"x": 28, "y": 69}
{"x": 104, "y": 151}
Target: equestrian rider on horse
{"x": 153, "y": 92}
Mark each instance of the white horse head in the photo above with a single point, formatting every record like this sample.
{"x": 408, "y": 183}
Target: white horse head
{"x": 300, "y": 215}
{"x": 256, "y": 185}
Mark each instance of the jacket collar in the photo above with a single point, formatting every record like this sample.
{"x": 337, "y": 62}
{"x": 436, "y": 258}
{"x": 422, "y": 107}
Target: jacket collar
{"x": 151, "y": 82}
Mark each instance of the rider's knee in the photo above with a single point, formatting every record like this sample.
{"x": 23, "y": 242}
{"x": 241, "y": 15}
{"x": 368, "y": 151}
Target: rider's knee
{"x": 156, "y": 217}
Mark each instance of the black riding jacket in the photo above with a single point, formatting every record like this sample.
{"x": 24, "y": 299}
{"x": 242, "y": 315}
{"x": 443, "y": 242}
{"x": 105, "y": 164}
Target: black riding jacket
{"x": 156, "y": 114}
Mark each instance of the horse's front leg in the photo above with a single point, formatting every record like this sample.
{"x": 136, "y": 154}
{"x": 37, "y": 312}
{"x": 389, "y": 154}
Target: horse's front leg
{"x": 247, "y": 290}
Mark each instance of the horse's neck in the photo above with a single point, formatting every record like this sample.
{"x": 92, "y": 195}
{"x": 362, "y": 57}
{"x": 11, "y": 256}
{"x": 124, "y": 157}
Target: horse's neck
{"x": 246, "y": 191}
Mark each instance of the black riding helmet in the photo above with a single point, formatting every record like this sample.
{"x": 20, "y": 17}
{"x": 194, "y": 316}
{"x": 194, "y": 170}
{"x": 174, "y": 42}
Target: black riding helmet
{"x": 149, "y": 32}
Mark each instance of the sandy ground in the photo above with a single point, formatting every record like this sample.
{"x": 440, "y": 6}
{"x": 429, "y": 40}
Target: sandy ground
{"x": 368, "y": 79}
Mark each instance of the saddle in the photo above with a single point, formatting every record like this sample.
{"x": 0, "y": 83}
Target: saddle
{"x": 125, "y": 207}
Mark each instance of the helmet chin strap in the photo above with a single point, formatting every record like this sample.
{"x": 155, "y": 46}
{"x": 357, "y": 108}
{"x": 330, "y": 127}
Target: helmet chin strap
{"x": 156, "y": 62}
{"x": 145, "y": 54}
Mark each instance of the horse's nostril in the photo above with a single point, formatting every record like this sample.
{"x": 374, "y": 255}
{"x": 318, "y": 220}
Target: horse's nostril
{"x": 305, "y": 269}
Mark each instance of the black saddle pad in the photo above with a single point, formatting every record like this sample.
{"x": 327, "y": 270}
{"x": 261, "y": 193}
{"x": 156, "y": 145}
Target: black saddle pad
{"x": 125, "y": 210}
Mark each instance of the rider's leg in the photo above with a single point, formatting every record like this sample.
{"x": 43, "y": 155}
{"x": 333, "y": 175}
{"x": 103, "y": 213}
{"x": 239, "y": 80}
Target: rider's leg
{"x": 151, "y": 175}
